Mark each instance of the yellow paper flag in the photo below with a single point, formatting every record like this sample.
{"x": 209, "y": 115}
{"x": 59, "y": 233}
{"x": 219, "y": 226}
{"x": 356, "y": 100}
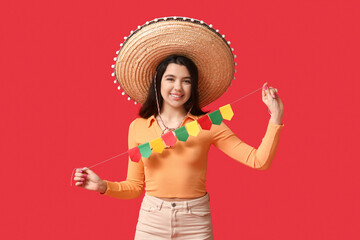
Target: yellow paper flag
{"x": 226, "y": 112}
{"x": 157, "y": 145}
{"x": 192, "y": 128}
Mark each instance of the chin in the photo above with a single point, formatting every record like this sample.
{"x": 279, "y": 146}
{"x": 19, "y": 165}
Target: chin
{"x": 178, "y": 105}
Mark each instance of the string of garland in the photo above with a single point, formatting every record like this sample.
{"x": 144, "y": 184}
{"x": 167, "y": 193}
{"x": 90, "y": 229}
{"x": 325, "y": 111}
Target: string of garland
{"x": 169, "y": 139}
{"x": 181, "y": 134}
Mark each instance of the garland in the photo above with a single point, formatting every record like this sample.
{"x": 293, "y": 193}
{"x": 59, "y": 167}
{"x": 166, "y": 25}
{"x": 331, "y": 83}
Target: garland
{"x": 181, "y": 134}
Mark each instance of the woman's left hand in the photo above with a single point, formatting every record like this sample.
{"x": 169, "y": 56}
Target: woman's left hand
{"x": 270, "y": 97}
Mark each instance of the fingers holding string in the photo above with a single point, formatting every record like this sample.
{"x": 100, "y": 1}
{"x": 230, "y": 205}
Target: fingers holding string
{"x": 265, "y": 90}
{"x": 80, "y": 176}
{"x": 272, "y": 92}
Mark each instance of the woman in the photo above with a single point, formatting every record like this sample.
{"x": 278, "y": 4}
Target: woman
{"x": 176, "y": 204}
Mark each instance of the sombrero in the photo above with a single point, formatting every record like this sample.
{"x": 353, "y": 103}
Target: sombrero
{"x": 149, "y": 44}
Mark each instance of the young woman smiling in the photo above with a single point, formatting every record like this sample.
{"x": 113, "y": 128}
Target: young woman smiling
{"x": 176, "y": 203}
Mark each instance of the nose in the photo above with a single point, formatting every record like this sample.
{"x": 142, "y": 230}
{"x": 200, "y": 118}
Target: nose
{"x": 177, "y": 85}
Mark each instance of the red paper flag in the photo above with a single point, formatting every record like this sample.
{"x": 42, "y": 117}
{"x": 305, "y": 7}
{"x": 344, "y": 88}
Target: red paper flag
{"x": 169, "y": 139}
{"x": 205, "y": 122}
{"x": 134, "y": 154}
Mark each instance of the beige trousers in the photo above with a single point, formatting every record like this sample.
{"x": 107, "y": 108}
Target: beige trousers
{"x": 159, "y": 219}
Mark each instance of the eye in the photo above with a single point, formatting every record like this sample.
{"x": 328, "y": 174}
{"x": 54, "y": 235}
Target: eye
{"x": 170, "y": 79}
{"x": 188, "y": 81}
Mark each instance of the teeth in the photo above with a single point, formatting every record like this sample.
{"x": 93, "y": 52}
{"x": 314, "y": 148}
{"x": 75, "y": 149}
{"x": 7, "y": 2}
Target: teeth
{"x": 175, "y": 95}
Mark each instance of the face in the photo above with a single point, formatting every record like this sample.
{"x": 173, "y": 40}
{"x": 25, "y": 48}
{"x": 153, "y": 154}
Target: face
{"x": 175, "y": 86}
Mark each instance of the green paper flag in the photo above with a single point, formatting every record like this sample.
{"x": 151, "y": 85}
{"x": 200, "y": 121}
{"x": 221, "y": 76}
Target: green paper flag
{"x": 182, "y": 134}
{"x": 145, "y": 150}
{"x": 216, "y": 117}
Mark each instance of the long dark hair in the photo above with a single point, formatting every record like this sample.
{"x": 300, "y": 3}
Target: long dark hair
{"x": 149, "y": 108}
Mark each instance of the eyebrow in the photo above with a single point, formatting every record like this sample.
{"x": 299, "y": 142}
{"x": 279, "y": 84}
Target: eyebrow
{"x": 170, "y": 75}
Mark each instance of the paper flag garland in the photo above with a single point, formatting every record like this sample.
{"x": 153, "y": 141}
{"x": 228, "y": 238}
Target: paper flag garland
{"x": 226, "y": 112}
{"x": 145, "y": 150}
{"x": 216, "y": 117}
{"x": 157, "y": 145}
{"x": 169, "y": 139}
{"x": 192, "y": 128}
{"x": 134, "y": 154}
{"x": 182, "y": 133}
{"x": 205, "y": 122}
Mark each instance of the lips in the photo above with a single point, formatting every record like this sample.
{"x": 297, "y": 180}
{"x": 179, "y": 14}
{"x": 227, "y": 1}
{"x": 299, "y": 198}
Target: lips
{"x": 176, "y": 96}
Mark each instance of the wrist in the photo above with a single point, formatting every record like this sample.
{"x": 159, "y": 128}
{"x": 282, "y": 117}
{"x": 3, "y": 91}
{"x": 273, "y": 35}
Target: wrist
{"x": 102, "y": 187}
{"x": 276, "y": 118}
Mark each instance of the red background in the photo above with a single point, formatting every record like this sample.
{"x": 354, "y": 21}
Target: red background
{"x": 60, "y": 109}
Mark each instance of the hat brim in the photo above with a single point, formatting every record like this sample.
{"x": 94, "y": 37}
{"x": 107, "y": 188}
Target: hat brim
{"x": 143, "y": 51}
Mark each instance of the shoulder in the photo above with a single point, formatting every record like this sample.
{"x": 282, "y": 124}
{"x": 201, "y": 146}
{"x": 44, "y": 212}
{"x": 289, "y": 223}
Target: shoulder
{"x": 140, "y": 123}
{"x": 196, "y": 117}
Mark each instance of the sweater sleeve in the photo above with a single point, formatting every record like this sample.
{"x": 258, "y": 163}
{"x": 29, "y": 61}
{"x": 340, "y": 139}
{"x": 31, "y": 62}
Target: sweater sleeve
{"x": 134, "y": 184}
{"x": 261, "y": 158}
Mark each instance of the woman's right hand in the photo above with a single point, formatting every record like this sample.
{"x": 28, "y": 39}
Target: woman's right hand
{"x": 87, "y": 179}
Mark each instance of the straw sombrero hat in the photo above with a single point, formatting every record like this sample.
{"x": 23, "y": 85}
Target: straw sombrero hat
{"x": 149, "y": 44}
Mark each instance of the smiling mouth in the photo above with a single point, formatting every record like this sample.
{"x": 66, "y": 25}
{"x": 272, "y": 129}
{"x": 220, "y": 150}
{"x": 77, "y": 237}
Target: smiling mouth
{"x": 176, "y": 96}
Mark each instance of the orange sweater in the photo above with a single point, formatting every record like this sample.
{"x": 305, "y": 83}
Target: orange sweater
{"x": 180, "y": 172}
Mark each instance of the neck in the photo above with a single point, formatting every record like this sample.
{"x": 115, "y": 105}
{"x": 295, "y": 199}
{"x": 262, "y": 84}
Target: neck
{"x": 173, "y": 114}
